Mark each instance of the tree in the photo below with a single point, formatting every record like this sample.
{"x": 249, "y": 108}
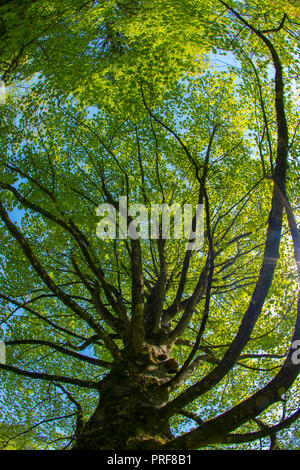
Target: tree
{"x": 115, "y": 343}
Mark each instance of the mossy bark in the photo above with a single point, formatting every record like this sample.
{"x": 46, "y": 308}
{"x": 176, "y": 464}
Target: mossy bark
{"x": 128, "y": 414}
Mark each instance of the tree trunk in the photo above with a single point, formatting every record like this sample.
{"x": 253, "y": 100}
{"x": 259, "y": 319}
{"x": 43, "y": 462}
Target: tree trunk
{"x": 128, "y": 414}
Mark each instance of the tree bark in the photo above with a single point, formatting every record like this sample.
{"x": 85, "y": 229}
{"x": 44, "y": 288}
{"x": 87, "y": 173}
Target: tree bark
{"x": 128, "y": 414}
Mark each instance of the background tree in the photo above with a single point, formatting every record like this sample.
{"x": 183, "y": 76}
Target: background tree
{"x": 115, "y": 344}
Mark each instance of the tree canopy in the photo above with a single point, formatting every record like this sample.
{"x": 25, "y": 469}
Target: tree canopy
{"x": 161, "y": 102}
